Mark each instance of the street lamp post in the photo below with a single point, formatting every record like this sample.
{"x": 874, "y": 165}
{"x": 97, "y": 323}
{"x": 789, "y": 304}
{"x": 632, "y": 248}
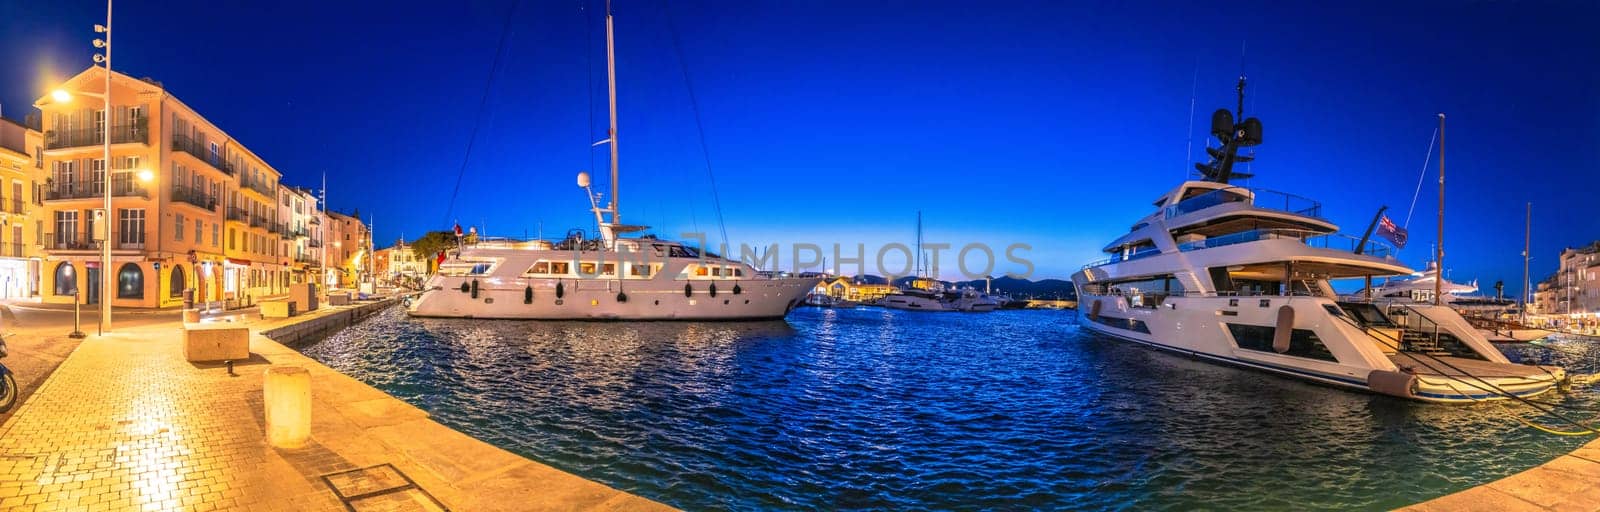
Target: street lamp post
{"x": 105, "y": 245}
{"x": 62, "y": 96}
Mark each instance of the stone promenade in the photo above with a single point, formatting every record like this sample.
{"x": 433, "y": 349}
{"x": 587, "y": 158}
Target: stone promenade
{"x": 125, "y": 423}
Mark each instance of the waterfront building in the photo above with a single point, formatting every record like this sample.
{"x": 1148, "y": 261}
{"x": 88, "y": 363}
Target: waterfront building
{"x": 1575, "y": 287}
{"x": 345, "y": 249}
{"x": 304, "y": 235}
{"x": 21, "y": 171}
{"x": 193, "y": 209}
{"x": 854, "y": 290}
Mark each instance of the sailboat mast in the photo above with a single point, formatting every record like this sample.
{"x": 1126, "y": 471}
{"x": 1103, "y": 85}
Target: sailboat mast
{"x": 1527, "y": 240}
{"x": 919, "y": 268}
{"x": 1438, "y": 251}
{"x": 611, "y": 89}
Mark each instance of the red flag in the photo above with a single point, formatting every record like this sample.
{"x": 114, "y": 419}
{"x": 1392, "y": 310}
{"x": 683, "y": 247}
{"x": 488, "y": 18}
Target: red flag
{"x": 439, "y": 260}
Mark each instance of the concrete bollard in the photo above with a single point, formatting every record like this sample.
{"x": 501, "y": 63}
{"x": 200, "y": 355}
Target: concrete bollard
{"x": 286, "y": 393}
{"x": 191, "y": 316}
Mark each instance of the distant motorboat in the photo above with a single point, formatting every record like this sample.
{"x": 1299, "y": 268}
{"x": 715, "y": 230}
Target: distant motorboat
{"x": 930, "y": 295}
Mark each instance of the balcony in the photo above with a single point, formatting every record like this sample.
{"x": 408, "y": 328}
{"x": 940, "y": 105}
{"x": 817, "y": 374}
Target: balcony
{"x": 314, "y": 243}
{"x": 316, "y": 219}
{"x": 307, "y": 259}
{"x": 257, "y": 221}
{"x": 89, "y": 190}
{"x": 194, "y": 196}
{"x": 71, "y": 242}
{"x": 238, "y": 214}
{"x": 260, "y": 186}
{"x": 81, "y": 242}
{"x": 299, "y": 233}
{"x": 121, "y": 134}
{"x": 16, "y": 249}
{"x": 12, "y": 206}
{"x": 183, "y": 144}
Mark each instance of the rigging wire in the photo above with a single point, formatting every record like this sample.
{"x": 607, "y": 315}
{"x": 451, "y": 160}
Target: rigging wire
{"x": 694, "y": 104}
{"x": 483, "y": 105}
{"x": 1418, "y": 193}
{"x": 1492, "y": 388}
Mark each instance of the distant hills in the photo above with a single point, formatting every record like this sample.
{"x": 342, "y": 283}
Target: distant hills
{"x": 1016, "y": 288}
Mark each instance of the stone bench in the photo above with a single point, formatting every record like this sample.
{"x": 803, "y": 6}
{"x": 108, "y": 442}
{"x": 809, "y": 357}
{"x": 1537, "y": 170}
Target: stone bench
{"x": 216, "y": 342}
{"x": 339, "y": 299}
{"x": 278, "y": 308}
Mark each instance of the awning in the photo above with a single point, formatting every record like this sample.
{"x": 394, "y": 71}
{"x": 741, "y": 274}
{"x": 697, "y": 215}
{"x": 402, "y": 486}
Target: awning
{"x": 237, "y": 261}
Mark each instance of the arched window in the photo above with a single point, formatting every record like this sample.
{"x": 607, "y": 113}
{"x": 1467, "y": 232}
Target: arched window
{"x": 66, "y": 279}
{"x": 130, "y": 282}
{"x": 178, "y": 282}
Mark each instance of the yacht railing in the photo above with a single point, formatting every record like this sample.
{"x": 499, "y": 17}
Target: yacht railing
{"x": 1118, "y": 258}
{"x": 1257, "y": 197}
{"x": 1310, "y": 238}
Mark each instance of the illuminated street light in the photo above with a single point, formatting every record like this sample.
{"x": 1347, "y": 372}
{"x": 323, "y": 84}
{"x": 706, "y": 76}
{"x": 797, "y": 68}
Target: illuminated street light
{"x": 61, "y": 96}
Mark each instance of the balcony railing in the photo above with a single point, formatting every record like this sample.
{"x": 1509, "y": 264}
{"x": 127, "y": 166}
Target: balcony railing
{"x": 81, "y": 242}
{"x": 67, "y": 243}
{"x": 306, "y": 260}
{"x": 194, "y": 196}
{"x": 58, "y": 139}
{"x": 238, "y": 214}
{"x": 257, "y": 185}
{"x": 15, "y": 206}
{"x": 1259, "y": 198}
{"x": 314, "y": 243}
{"x": 185, "y": 144}
{"x": 1326, "y": 241}
{"x": 87, "y": 189}
{"x": 257, "y": 221}
{"x": 299, "y": 233}
{"x": 16, "y": 249}
{"x": 316, "y": 219}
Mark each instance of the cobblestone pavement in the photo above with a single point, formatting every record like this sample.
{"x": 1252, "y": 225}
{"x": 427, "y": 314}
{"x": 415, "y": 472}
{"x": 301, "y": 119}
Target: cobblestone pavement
{"x": 132, "y": 427}
{"x": 126, "y": 423}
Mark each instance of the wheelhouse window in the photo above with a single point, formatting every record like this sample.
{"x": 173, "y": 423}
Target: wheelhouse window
{"x": 641, "y": 270}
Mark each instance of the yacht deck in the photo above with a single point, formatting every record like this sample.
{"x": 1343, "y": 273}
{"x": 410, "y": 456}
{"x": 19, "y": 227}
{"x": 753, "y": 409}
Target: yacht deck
{"x": 1475, "y": 367}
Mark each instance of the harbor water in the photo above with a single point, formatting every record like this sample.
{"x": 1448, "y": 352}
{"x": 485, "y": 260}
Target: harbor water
{"x": 887, "y": 410}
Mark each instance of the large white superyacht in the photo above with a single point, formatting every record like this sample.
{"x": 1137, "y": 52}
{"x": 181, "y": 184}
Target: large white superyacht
{"x": 610, "y": 277}
{"x": 1242, "y": 276}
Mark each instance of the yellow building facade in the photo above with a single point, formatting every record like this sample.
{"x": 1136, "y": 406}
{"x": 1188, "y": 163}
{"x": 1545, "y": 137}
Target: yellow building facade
{"x": 345, "y": 249}
{"x": 193, "y": 209}
{"x": 21, "y": 172}
{"x": 847, "y": 289}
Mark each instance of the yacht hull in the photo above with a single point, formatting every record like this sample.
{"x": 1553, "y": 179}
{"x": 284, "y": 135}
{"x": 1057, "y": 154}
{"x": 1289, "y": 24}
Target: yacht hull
{"x": 599, "y": 300}
{"x": 1199, "y": 327}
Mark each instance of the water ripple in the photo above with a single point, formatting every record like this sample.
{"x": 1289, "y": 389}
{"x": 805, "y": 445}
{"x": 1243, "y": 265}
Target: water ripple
{"x": 874, "y": 409}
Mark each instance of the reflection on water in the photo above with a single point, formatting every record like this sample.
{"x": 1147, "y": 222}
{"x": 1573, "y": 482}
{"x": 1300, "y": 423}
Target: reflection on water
{"x": 878, "y": 409}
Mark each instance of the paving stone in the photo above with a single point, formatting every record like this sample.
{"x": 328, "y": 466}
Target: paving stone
{"x": 125, "y": 423}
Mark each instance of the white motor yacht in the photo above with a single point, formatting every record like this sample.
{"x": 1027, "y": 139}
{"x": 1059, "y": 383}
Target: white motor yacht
{"x": 1483, "y": 313}
{"x": 611, "y": 277}
{"x": 1242, "y": 276}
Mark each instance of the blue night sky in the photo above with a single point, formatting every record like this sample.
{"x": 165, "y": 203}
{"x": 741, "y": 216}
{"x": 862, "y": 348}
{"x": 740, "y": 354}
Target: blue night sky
{"x": 1048, "y": 123}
